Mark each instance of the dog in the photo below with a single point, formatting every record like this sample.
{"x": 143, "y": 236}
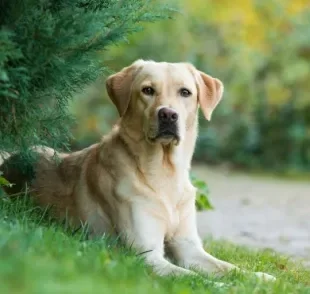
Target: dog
{"x": 135, "y": 183}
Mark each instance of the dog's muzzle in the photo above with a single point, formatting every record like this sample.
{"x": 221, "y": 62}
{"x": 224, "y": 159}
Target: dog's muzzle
{"x": 168, "y": 124}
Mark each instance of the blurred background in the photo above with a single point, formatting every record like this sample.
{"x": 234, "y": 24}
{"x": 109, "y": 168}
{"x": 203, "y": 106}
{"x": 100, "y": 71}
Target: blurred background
{"x": 261, "y": 51}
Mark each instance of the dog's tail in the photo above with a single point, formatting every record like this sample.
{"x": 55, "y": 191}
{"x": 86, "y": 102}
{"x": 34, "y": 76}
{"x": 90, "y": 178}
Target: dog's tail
{"x": 3, "y": 156}
{"x": 20, "y": 171}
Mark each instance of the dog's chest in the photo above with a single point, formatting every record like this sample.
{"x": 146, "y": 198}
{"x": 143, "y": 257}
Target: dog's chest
{"x": 168, "y": 185}
{"x": 170, "y": 193}
{"x": 160, "y": 191}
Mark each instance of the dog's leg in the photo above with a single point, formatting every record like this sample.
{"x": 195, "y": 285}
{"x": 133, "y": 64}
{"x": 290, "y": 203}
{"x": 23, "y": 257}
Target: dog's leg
{"x": 188, "y": 249}
{"x": 146, "y": 234}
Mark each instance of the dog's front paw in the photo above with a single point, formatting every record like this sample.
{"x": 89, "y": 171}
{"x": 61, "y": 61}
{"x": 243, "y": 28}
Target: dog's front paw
{"x": 264, "y": 276}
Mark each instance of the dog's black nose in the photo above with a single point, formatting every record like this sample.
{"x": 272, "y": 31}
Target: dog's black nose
{"x": 167, "y": 115}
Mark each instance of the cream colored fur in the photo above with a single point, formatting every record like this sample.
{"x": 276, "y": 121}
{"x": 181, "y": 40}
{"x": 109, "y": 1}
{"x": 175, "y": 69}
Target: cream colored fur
{"x": 133, "y": 184}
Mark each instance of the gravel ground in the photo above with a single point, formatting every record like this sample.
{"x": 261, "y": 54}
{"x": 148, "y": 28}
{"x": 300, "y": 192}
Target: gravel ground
{"x": 257, "y": 212}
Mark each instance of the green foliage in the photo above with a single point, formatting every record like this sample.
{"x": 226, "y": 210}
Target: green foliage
{"x": 202, "y": 194}
{"x": 48, "y": 51}
{"x": 269, "y": 124}
{"x": 4, "y": 182}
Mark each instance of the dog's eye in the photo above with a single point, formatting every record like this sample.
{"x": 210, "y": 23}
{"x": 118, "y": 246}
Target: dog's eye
{"x": 185, "y": 93}
{"x": 148, "y": 91}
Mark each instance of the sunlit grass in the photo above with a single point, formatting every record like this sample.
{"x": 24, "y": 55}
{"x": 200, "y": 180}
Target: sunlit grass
{"x": 37, "y": 255}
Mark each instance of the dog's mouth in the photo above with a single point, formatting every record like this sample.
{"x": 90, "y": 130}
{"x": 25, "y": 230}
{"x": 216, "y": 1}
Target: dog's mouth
{"x": 166, "y": 136}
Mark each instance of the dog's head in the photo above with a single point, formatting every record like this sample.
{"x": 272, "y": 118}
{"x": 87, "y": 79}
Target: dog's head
{"x": 160, "y": 100}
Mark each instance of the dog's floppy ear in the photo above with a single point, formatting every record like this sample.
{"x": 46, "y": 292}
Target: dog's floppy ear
{"x": 119, "y": 87}
{"x": 210, "y": 92}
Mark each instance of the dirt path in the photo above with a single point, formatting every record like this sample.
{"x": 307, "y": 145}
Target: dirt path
{"x": 258, "y": 212}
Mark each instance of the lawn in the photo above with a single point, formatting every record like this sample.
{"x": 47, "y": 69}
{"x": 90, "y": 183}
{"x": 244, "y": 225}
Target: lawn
{"x": 37, "y": 255}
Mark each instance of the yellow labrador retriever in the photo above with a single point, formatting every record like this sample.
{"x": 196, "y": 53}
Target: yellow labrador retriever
{"x": 135, "y": 183}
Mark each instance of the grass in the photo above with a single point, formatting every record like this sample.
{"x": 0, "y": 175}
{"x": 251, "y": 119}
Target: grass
{"x": 37, "y": 255}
